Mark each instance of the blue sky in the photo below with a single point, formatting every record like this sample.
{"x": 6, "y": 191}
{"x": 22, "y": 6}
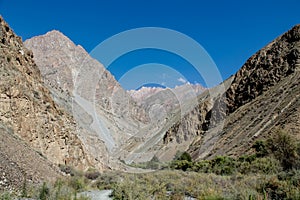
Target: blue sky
{"x": 230, "y": 31}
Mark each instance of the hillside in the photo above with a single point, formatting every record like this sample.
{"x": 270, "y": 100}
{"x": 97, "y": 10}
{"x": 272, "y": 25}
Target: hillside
{"x": 262, "y": 99}
{"x": 32, "y": 122}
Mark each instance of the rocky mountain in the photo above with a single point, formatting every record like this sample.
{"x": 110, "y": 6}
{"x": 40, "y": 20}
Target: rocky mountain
{"x": 33, "y": 126}
{"x": 262, "y": 99}
{"x": 145, "y": 95}
{"x": 124, "y": 121}
{"x": 136, "y": 125}
{"x": 87, "y": 90}
{"x": 20, "y": 163}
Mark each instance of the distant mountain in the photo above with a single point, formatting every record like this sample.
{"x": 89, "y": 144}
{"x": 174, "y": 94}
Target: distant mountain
{"x": 145, "y": 92}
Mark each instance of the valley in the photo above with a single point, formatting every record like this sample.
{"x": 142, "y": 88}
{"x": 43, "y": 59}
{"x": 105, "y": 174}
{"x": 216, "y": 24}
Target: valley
{"x": 65, "y": 121}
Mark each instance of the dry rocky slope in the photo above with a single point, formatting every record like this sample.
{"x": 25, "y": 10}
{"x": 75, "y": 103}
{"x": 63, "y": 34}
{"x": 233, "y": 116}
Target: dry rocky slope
{"x": 28, "y": 113}
{"x": 88, "y": 91}
{"x": 262, "y": 99}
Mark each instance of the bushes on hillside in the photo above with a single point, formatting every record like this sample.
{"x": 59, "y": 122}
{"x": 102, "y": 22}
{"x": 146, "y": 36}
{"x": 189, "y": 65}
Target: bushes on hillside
{"x": 285, "y": 150}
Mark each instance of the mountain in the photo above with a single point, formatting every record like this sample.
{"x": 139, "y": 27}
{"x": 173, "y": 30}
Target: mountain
{"x": 82, "y": 85}
{"x": 36, "y": 133}
{"x": 262, "y": 99}
{"x": 136, "y": 125}
{"x": 125, "y": 121}
{"x": 20, "y": 163}
{"x": 60, "y": 106}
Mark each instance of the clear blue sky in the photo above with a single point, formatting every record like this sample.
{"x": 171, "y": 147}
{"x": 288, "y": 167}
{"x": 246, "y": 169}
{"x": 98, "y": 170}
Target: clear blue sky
{"x": 230, "y": 31}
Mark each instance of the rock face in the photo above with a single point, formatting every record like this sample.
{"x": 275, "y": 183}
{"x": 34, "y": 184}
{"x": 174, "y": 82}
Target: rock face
{"x": 262, "y": 98}
{"x": 88, "y": 91}
{"x": 28, "y": 110}
{"x": 265, "y": 69}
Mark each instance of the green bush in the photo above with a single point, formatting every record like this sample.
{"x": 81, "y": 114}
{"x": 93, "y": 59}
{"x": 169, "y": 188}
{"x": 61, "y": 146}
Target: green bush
{"x": 185, "y": 156}
{"x": 77, "y": 183}
{"x": 261, "y": 148}
{"x": 183, "y": 165}
{"x": 284, "y": 148}
{"x": 223, "y": 165}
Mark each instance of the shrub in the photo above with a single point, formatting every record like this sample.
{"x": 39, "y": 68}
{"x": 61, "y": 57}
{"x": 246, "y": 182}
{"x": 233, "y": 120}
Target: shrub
{"x": 266, "y": 165}
{"x": 77, "y": 183}
{"x": 153, "y": 163}
{"x": 65, "y": 169}
{"x": 6, "y": 196}
{"x": 223, "y": 165}
{"x": 284, "y": 149}
{"x": 181, "y": 165}
{"x": 185, "y": 156}
{"x": 261, "y": 148}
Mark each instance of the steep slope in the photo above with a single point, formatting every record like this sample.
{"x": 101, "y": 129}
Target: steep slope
{"x": 19, "y": 163}
{"x": 262, "y": 98}
{"x": 28, "y": 110}
{"x": 84, "y": 87}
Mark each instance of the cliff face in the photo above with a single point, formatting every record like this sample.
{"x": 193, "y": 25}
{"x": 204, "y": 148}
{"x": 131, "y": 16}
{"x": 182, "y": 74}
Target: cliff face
{"x": 262, "y": 98}
{"x": 28, "y": 110}
{"x": 266, "y": 68}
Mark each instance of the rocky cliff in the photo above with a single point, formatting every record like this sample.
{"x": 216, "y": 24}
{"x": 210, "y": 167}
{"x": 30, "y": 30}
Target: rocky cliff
{"x": 262, "y": 98}
{"x": 28, "y": 110}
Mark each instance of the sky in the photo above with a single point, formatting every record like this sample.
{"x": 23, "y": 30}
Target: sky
{"x": 229, "y": 32}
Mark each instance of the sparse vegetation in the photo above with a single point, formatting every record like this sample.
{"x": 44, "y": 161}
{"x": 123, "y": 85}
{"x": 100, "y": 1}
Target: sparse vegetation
{"x": 266, "y": 174}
